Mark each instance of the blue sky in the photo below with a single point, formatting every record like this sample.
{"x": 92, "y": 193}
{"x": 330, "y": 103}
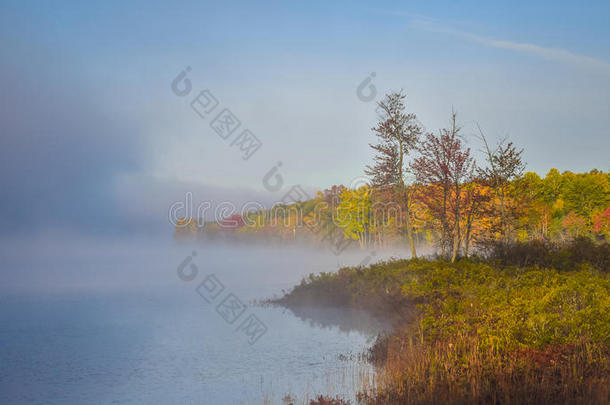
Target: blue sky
{"x": 92, "y": 136}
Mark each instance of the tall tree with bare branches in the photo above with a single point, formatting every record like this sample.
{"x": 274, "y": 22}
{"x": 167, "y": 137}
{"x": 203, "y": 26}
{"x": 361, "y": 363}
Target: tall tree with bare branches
{"x": 398, "y": 132}
{"x": 504, "y": 164}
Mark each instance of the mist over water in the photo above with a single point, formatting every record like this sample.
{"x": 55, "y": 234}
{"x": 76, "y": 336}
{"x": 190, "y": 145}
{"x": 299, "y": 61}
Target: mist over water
{"x": 100, "y": 320}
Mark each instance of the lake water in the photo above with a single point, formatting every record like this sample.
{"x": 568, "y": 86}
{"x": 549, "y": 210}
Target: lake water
{"x": 89, "y": 321}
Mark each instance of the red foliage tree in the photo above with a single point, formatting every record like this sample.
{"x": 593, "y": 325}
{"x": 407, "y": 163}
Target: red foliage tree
{"x": 446, "y": 164}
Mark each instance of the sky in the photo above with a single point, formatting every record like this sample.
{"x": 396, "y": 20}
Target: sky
{"x": 94, "y": 139}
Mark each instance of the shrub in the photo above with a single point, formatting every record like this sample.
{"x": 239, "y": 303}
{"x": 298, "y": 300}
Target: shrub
{"x": 544, "y": 253}
{"x": 481, "y": 331}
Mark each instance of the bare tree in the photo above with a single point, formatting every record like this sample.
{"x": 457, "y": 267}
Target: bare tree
{"x": 504, "y": 163}
{"x": 398, "y": 133}
{"x": 475, "y": 200}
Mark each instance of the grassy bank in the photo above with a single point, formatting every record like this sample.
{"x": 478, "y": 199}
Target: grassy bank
{"x": 479, "y": 332}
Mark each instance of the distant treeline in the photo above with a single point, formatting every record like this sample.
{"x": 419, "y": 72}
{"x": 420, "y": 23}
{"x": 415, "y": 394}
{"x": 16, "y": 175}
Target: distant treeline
{"x": 427, "y": 189}
{"x": 558, "y": 207}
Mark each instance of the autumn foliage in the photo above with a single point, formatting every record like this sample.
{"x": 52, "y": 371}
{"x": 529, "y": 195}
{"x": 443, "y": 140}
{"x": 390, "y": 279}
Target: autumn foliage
{"x": 426, "y": 189}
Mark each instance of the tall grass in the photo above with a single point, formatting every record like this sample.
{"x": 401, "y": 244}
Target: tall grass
{"x": 463, "y": 372}
{"x": 479, "y": 332}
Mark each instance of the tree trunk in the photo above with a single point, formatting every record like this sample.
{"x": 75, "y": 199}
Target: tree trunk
{"x": 456, "y": 243}
{"x": 406, "y": 196}
{"x": 409, "y": 227}
{"x": 468, "y": 229}
{"x": 456, "y": 234}
{"x": 444, "y": 223}
{"x": 503, "y": 216}
{"x": 410, "y": 237}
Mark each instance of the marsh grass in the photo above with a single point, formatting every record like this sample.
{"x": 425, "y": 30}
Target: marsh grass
{"x": 476, "y": 331}
{"x": 465, "y": 373}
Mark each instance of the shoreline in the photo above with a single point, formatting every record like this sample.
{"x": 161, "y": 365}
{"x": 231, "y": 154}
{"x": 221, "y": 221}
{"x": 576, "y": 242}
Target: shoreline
{"x": 475, "y": 331}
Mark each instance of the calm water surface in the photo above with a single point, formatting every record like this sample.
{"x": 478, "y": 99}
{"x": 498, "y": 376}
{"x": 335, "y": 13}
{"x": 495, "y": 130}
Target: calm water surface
{"x": 111, "y": 322}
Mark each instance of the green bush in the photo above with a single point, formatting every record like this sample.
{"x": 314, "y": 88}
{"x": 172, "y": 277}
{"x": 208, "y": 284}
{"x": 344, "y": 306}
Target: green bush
{"x": 479, "y": 331}
{"x": 506, "y": 307}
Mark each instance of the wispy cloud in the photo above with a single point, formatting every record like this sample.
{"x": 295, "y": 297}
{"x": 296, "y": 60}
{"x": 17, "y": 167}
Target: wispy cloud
{"x": 549, "y": 53}
{"x": 556, "y": 54}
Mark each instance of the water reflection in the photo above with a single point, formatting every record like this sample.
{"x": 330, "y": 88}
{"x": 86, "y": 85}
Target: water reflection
{"x": 346, "y": 320}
